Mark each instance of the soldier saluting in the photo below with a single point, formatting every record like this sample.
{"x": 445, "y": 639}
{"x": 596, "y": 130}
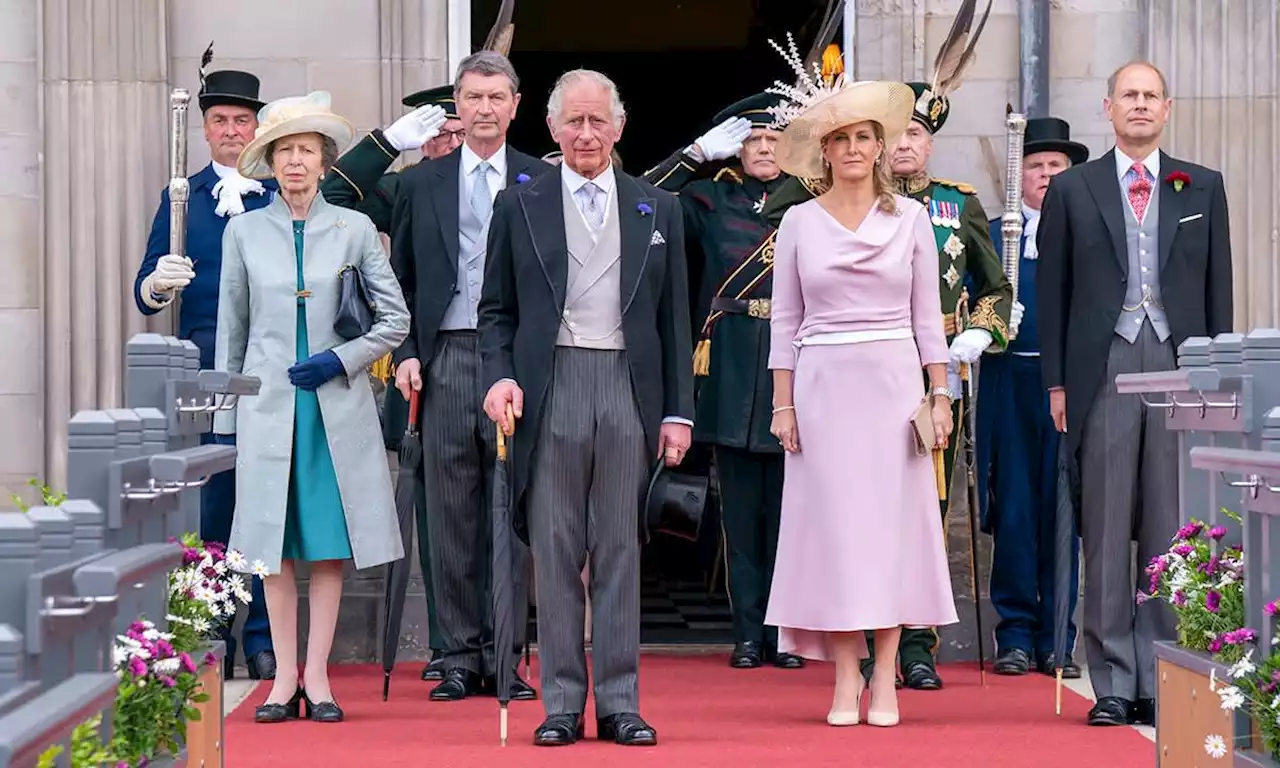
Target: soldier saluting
{"x": 730, "y": 250}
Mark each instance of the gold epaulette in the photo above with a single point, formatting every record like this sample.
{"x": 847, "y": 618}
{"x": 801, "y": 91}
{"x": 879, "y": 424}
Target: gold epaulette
{"x": 731, "y": 173}
{"x": 959, "y": 186}
{"x": 816, "y": 187}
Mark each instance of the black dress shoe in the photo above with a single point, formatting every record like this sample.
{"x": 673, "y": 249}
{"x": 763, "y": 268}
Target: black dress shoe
{"x": 1048, "y": 666}
{"x": 278, "y": 713}
{"x": 1143, "y": 712}
{"x": 435, "y": 668}
{"x": 520, "y": 690}
{"x": 262, "y": 665}
{"x": 1111, "y": 710}
{"x": 321, "y": 711}
{"x": 746, "y": 655}
{"x": 627, "y": 729}
{"x": 1014, "y": 661}
{"x": 228, "y": 667}
{"x": 921, "y": 676}
{"x": 782, "y": 660}
{"x": 458, "y": 684}
{"x": 558, "y": 731}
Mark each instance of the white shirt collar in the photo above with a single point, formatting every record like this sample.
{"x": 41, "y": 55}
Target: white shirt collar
{"x": 573, "y": 181}
{"x": 497, "y": 162}
{"x": 1124, "y": 163}
{"x": 222, "y": 170}
{"x": 1031, "y": 213}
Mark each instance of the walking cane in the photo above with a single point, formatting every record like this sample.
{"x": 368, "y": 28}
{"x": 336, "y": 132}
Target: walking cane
{"x": 970, "y": 420}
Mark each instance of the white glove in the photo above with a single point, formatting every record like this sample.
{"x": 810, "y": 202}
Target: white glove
{"x": 230, "y": 190}
{"x": 969, "y": 346}
{"x": 722, "y": 142}
{"x": 953, "y": 380}
{"x": 416, "y": 128}
{"x": 1015, "y": 318}
{"x": 171, "y": 273}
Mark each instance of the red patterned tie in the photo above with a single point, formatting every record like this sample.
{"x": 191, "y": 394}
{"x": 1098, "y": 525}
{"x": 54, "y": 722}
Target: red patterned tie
{"x": 1139, "y": 191}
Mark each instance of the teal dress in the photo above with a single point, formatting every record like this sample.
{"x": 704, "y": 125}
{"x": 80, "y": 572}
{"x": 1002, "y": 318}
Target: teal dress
{"x": 315, "y": 526}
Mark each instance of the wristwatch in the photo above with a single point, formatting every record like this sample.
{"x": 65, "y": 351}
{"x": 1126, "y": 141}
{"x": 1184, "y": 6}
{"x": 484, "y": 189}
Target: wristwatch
{"x": 943, "y": 392}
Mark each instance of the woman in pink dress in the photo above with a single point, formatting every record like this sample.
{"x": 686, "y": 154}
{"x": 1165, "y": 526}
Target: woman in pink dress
{"x": 854, "y": 319}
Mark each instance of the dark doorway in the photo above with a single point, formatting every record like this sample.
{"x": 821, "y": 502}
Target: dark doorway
{"x": 676, "y": 63}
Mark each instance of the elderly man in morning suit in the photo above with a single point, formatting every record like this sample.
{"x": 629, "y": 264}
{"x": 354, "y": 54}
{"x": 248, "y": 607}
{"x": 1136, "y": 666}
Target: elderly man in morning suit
{"x": 1135, "y": 257}
{"x": 439, "y": 228}
{"x": 584, "y": 333}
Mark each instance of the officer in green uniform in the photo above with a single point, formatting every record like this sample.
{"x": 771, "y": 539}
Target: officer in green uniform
{"x": 964, "y": 248}
{"x": 730, "y": 247}
{"x": 359, "y": 180}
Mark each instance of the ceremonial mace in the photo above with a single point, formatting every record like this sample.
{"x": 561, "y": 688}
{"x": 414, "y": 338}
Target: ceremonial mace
{"x": 179, "y": 186}
{"x": 1011, "y": 222}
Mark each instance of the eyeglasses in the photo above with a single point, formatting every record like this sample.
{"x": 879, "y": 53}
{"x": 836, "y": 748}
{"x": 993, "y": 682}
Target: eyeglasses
{"x": 458, "y": 135}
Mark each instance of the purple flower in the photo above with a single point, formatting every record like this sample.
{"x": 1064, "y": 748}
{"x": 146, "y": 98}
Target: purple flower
{"x": 1239, "y": 636}
{"x": 1212, "y": 601}
{"x": 169, "y": 682}
{"x": 187, "y": 663}
{"x": 1183, "y": 550}
{"x": 522, "y": 178}
{"x": 1143, "y": 597}
{"x": 1179, "y": 598}
{"x": 1189, "y": 531}
{"x": 645, "y": 209}
{"x": 210, "y": 659}
{"x": 137, "y": 667}
{"x": 1271, "y": 608}
{"x": 165, "y": 650}
{"x": 1215, "y": 645}
{"x": 1217, "y": 532}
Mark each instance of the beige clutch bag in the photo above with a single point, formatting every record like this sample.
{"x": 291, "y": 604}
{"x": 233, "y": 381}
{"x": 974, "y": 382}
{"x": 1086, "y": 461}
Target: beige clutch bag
{"x": 922, "y": 427}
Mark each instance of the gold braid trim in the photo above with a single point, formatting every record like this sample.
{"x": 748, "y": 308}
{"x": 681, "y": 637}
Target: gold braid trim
{"x": 732, "y": 174}
{"x": 816, "y": 187}
{"x": 382, "y": 369}
{"x": 702, "y": 351}
{"x": 984, "y": 316}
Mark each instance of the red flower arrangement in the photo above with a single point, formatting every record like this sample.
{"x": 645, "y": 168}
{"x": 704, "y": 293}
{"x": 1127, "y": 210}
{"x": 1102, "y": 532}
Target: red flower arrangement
{"x": 1178, "y": 179}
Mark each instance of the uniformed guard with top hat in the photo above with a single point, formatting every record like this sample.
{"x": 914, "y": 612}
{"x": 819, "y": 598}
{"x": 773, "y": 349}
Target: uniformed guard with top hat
{"x": 730, "y": 247}
{"x": 1018, "y": 444}
{"x": 229, "y": 102}
{"x": 964, "y": 248}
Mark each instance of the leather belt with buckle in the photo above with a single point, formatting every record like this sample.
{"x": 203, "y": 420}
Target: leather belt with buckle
{"x": 757, "y": 308}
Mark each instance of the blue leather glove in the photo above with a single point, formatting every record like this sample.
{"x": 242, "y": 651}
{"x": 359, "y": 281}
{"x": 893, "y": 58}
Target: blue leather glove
{"x": 316, "y": 370}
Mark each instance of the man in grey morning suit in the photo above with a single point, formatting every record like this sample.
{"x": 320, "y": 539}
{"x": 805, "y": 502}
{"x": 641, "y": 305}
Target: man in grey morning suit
{"x": 585, "y": 319}
{"x": 1135, "y": 256}
{"x": 438, "y": 231}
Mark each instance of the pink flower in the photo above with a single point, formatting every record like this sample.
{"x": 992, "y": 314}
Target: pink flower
{"x": 137, "y": 667}
{"x": 1179, "y": 598}
{"x": 1270, "y": 608}
{"x": 1184, "y": 550}
{"x": 1217, "y": 532}
{"x": 1189, "y": 531}
{"x": 1212, "y": 601}
{"x": 210, "y": 659}
{"x": 1143, "y": 597}
{"x": 187, "y": 663}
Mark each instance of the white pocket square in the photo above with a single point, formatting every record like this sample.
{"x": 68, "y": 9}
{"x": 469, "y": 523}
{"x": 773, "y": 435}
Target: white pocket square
{"x": 657, "y": 238}
{"x": 1192, "y": 217}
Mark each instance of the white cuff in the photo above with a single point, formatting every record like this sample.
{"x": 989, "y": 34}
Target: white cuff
{"x": 151, "y": 298}
{"x": 677, "y": 420}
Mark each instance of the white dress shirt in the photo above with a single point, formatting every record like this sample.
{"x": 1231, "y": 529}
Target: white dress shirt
{"x": 574, "y": 181}
{"x": 1124, "y": 164}
{"x": 496, "y": 175}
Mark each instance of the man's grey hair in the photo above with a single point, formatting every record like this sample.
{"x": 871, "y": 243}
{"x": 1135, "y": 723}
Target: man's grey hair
{"x": 328, "y": 152}
{"x": 556, "y": 103}
{"x": 487, "y": 63}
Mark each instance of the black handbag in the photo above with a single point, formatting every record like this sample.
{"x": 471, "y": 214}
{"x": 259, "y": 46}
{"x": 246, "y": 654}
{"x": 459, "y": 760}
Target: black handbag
{"x": 355, "y": 308}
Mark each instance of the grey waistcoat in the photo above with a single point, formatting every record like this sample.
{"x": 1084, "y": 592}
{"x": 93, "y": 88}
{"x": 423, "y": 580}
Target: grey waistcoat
{"x": 472, "y": 233}
{"x": 592, "y": 316}
{"x": 1143, "y": 243}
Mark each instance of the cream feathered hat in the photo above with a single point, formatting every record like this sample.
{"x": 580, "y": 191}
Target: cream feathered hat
{"x": 819, "y": 104}
{"x": 288, "y": 117}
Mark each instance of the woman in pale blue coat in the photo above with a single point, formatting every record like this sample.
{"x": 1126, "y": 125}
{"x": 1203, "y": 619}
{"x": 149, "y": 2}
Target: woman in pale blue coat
{"x": 312, "y": 481}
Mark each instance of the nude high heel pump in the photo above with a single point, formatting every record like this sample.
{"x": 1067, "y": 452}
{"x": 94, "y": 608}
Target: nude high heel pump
{"x": 839, "y": 717}
{"x": 882, "y": 719}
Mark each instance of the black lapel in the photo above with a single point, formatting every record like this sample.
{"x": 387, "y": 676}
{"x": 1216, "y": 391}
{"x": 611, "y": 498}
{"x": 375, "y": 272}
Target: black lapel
{"x": 517, "y": 167}
{"x": 444, "y": 196}
{"x": 1172, "y": 206}
{"x": 1104, "y": 184}
{"x": 542, "y": 204}
{"x": 636, "y": 214}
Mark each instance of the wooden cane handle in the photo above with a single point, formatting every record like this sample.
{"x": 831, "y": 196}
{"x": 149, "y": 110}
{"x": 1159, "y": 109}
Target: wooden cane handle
{"x": 502, "y": 437}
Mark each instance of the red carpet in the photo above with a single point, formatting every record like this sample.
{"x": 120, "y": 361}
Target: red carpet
{"x": 706, "y": 715}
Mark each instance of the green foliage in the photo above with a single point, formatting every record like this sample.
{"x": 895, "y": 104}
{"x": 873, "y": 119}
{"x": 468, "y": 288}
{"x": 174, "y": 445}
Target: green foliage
{"x": 48, "y": 497}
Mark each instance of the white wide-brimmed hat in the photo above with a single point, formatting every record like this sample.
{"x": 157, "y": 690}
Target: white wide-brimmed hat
{"x": 799, "y": 150}
{"x": 289, "y": 117}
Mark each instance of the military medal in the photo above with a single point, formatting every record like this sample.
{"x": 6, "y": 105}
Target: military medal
{"x": 935, "y": 213}
{"x": 954, "y": 247}
{"x": 951, "y": 276}
{"x": 758, "y": 206}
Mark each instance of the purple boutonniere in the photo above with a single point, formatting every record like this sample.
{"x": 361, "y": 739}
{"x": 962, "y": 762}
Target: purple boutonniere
{"x": 522, "y": 178}
{"x": 645, "y": 209}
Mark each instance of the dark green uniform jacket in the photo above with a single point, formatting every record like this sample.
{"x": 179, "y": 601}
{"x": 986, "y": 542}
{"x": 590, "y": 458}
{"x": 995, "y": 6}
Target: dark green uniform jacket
{"x": 729, "y": 244}
{"x": 360, "y": 180}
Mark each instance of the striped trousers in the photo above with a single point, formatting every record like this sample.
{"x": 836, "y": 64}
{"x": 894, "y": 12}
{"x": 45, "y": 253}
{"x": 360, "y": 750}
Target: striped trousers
{"x": 590, "y": 467}
{"x": 459, "y": 449}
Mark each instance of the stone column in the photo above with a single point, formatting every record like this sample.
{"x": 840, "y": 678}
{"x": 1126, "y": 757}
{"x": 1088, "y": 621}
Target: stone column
{"x": 1223, "y": 66}
{"x": 105, "y": 125}
{"x": 21, "y": 377}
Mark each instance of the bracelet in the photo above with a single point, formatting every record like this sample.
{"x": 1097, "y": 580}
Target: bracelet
{"x": 782, "y": 408}
{"x": 942, "y": 392}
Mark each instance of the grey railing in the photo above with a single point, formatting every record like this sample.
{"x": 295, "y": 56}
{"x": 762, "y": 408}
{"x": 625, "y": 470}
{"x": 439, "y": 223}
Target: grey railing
{"x": 72, "y": 577}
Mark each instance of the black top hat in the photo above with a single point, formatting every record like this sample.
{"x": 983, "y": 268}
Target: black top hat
{"x": 230, "y": 87}
{"x": 930, "y": 111}
{"x": 674, "y": 503}
{"x": 441, "y": 96}
{"x": 1050, "y": 134}
{"x": 754, "y": 108}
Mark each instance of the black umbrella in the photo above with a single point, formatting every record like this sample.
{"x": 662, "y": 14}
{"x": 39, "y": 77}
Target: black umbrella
{"x": 1065, "y": 527}
{"x": 397, "y": 580}
{"x": 503, "y": 579}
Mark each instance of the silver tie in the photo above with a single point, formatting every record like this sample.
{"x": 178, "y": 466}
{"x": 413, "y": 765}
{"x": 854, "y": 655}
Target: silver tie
{"x": 481, "y": 200}
{"x": 590, "y": 205}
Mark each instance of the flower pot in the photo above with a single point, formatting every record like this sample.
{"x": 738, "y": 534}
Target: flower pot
{"x": 1188, "y": 712}
{"x": 204, "y": 736}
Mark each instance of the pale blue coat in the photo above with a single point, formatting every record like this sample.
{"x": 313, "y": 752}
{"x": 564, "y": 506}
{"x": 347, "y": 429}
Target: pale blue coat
{"x": 256, "y": 336}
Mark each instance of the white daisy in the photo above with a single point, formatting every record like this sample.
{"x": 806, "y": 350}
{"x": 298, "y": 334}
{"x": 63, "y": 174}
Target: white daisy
{"x": 1232, "y": 698}
{"x": 260, "y": 568}
{"x": 235, "y": 560}
{"x": 1215, "y": 746}
{"x": 1242, "y": 667}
